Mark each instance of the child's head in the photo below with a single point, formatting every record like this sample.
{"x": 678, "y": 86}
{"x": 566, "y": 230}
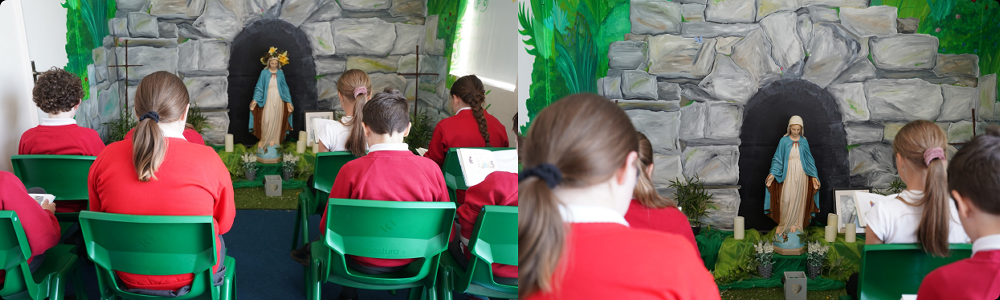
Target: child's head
{"x": 580, "y": 142}
{"x": 57, "y": 91}
{"x": 386, "y": 118}
{"x": 354, "y": 88}
{"x": 974, "y": 180}
{"x": 161, "y": 97}
{"x": 645, "y": 192}
{"x": 919, "y": 151}
{"x": 469, "y": 90}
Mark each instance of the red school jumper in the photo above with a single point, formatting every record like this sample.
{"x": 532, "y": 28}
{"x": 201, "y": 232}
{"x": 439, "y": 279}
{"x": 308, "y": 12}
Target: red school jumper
{"x": 61, "y": 137}
{"x": 977, "y": 277}
{"x": 499, "y": 188}
{"x": 191, "y": 181}
{"x": 462, "y": 131}
{"x": 190, "y": 135}
{"x": 40, "y": 226}
{"x": 390, "y": 172}
{"x": 669, "y": 220}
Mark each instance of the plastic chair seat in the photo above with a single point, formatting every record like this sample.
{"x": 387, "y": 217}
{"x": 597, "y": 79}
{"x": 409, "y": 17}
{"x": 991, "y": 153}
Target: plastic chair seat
{"x": 70, "y": 183}
{"x": 449, "y": 264}
{"x": 48, "y": 280}
{"x": 493, "y": 240}
{"x": 327, "y": 167}
{"x": 891, "y": 270}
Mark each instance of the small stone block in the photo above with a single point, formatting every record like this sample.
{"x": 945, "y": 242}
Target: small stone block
{"x": 272, "y": 185}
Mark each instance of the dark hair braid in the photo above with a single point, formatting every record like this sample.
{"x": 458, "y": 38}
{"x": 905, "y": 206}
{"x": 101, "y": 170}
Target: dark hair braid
{"x": 470, "y": 89}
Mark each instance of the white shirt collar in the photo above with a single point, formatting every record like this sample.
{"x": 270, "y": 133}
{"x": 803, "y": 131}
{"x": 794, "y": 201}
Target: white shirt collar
{"x": 461, "y": 109}
{"x": 56, "y": 122}
{"x": 986, "y": 243}
{"x": 590, "y": 214}
{"x": 346, "y": 119}
{"x": 389, "y": 147}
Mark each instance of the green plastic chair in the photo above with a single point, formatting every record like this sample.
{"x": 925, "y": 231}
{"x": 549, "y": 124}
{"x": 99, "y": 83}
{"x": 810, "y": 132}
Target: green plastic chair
{"x": 452, "y": 170}
{"x": 381, "y": 229}
{"x": 48, "y": 280}
{"x": 493, "y": 240}
{"x": 327, "y": 167}
{"x": 155, "y": 245}
{"x": 62, "y": 175}
{"x": 890, "y": 270}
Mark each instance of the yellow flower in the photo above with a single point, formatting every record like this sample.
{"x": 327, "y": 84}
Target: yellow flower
{"x": 272, "y": 50}
{"x": 283, "y": 60}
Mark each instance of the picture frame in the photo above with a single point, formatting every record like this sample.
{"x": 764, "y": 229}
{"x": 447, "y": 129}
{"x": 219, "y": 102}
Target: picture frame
{"x": 847, "y": 209}
{"x": 310, "y": 117}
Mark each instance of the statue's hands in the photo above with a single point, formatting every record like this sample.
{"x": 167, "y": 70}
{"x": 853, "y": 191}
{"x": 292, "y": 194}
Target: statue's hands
{"x": 253, "y": 103}
{"x": 815, "y": 182}
{"x": 289, "y": 106}
{"x": 769, "y": 180}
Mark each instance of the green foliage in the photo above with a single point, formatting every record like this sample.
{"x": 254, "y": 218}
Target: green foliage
{"x": 449, "y": 13}
{"x": 233, "y": 160}
{"x": 118, "y": 128}
{"x": 86, "y": 27}
{"x": 304, "y": 168}
{"x": 692, "y": 199}
{"x": 420, "y": 131}
{"x": 197, "y": 119}
{"x": 895, "y": 187}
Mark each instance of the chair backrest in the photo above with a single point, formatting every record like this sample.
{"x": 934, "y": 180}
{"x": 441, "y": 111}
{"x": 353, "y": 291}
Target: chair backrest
{"x": 62, "y": 175}
{"x": 891, "y": 270}
{"x": 151, "y": 245}
{"x": 452, "y": 169}
{"x": 493, "y": 240}
{"x": 14, "y": 251}
{"x": 328, "y": 165}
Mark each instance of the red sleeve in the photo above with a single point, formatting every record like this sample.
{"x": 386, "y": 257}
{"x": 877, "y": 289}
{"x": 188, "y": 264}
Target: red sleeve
{"x": 442, "y": 188}
{"x": 224, "y": 211}
{"x": 475, "y": 198}
{"x": 92, "y": 180}
{"x": 40, "y": 225}
{"x": 193, "y": 136}
{"x": 93, "y": 142}
{"x": 20, "y": 144}
{"x": 437, "y": 150}
{"x": 682, "y": 227}
{"x": 935, "y": 286}
{"x": 341, "y": 189}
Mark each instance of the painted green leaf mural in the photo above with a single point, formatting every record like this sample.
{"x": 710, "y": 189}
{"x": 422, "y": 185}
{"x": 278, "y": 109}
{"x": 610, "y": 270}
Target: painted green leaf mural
{"x": 86, "y": 27}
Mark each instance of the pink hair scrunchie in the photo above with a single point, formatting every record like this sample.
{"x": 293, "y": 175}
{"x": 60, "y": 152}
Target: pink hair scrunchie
{"x": 931, "y": 154}
{"x": 360, "y": 90}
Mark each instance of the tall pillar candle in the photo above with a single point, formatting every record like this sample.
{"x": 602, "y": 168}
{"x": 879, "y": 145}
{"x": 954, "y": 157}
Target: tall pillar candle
{"x": 831, "y": 219}
{"x": 302, "y": 135}
{"x": 315, "y": 148}
{"x": 738, "y": 230}
{"x": 229, "y": 143}
{"x": 300, "y": 146}
{"x": 850, "y": 236}
{"x": 831, "y": 233}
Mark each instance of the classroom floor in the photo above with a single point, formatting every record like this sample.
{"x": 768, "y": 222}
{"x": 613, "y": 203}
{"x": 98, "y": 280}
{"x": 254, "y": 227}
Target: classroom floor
{"x": 778, "y": 294}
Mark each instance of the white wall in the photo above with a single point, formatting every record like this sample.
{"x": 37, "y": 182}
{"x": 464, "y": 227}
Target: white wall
{"x": 503, "y": 106}
{"x": 17, "y": 111}
{"x": 524, "y": 65}
{"x": 45, "y": 28}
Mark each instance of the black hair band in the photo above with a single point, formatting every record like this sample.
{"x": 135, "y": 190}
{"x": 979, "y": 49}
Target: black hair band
{"x": 547, "y": 172}
{"x": 151, "y": 115}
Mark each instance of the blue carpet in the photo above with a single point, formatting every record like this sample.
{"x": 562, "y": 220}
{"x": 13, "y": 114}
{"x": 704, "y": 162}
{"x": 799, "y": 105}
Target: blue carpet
{"x": 260, "y": 242}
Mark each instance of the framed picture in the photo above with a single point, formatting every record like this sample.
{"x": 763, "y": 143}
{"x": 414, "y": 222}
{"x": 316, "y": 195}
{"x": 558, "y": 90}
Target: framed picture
{"x": 847, "y": 210}
{"x": 311, "y": 116}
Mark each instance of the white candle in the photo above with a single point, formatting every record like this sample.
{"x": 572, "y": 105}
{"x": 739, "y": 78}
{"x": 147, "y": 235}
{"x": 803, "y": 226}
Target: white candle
{"x": 831, "y": 219}
{"x": 302, "y": 135}
{"x": 738, "y": 230}
{"x": 850, "y": 236}
{"x": 229, "y": 143}
{"x": 831, "y": 233}
{"x": 315, "y": 148}
{"x": 300, "y": 146}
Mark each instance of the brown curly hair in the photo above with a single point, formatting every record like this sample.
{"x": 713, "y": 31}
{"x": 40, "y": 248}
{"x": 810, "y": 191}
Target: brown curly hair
{"x": 57, "y": 91}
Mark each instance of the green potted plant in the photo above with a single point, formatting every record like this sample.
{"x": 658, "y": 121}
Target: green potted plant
{"x": 764, "y": 254}
{"x": 288, "y": 163}
{"x": 693, "y": 200}
{"x": 249, "y": 166}
{"x": 816, "y": 257}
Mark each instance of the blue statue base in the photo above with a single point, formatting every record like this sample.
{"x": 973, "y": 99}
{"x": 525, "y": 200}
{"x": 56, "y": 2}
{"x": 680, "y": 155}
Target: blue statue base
{"x": 269, "y": 155}
{"x": 792, "y": 246}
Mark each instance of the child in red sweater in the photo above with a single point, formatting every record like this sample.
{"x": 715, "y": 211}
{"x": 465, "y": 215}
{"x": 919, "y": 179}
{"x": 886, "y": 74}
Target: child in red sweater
{"x": 158, "y": 172}
{"x": 649, "y": 210}
{"x": 471, "y": 126}
{"x": 39, "y": 222}
{"x": 974, "y": 183}
{"x": 573, "y": 240}
{"x": 499, "y": 188}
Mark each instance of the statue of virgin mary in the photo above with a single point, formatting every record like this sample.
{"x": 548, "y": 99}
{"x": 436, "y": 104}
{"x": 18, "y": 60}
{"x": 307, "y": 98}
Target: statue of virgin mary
{"x": 271, "y": 108}
{"x": 792, "y": 186}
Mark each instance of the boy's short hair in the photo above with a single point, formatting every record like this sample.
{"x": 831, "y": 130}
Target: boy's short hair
{"x": 57, "y": 91}
{"x": 974, "y": 172}
{"x": 387, "y": 112}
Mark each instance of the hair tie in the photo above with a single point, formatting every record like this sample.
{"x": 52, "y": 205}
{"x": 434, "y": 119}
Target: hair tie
{"x": 547, "y": 172}
{"x": 360, "y": 90}
{"x": 933, "y": 153}
{"x": 150, "y": 115}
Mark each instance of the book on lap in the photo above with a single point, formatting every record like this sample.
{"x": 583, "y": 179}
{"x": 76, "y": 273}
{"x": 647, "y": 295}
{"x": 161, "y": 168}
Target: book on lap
{"x": 478, "y": 163}
{"x": 43, "y": 198}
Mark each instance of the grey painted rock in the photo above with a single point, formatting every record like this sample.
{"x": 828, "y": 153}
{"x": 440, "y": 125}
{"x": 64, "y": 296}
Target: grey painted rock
{"x": 731, "y": 11}
{"x": 176, "y": 8}
{"x": 863, "y": 133}
{"x": 836, "y": 3}
{"x": 960, "y": 132}
{"x": 728, "y": 203}
{"x": 693, "y": 1}
{"x": 861, "y": 70}
{"x": 706, "y": 58}
{"x": 693, "y": 12}
{"x": 363, "y": 36}
{"x": 804, "y": 28}
{"x": 904, "y": 52}
{"x": 408, "y": 64}
{"x": 432, "y": 99}
{"x": 891, "y": 129}
{"x": 987, "y": 96}
{"x": 99, "y": 56}
{"x": 208, "y": 92}
{"x": 823, "y": 14}
{"x": 131, "y": 5}
{"x": 151, "y": 59}
{"x": 693, "y": 118}
{"x": 218, "y": 122}
{"x": 109, "y": 103}
{"x": 650, "y": 105}
{"x": 873, "y": 163}
{"x": 724, "y": 45}
{"x": 365, "y": 5}
{"x": 907, "y": 25}
{"x": 958, "y": 103}
{"x": 710, "y": 30}
{"x": 723, "y": 121}
{"x": 118, "y": 27}
{"x": 214, "y": 56}
{"x": 830, "y": 52}
{"x": 668, "y": 91}
{"x": 627, "y": 55}
{"x": 728, "y": 82}
{"x": 187, "y": 31}
{"x": 600, "y": 87}
{"x": 613, "y": 87}
{"x": 296, "y": 12}
{"x": 768, "y": 7}
{"x": 660, "y": 127}
{"x": 407, "y": 39}
{"x": 655, "y": 17}
{"x": 786, "y": 48}
{"x": 665, "y": 169}
{"x": 190, "y": 51}
{"x": 614, "y": 72}
{"x": 692, "y": 92}
{"x": 327, "y": 11}
{"x": 408, "y": 8}
{"x": 269, "y": 8}
{"x": 218, "y": 22}
{"x": 872, "y": 21}
{"x": 326, "y": 87}
{"x": 638, "y": 85}
{"x": 141, "y": 24}
{"x": 158, "y": 43}
{"x": 330, "y": 65}
{"x": 431, "y": 35}
{"x": 320, "y": 38}
{"x": 852, "y": 101}
{"x": 380, "y": 81}
{"x": 903, "y": 99}
{"x": 753, "y": 54}
{"x": 966, "y": 65}
{"x": 167, "y": 30}
{"x": 715, "y": 165}
{"x": 674, "y": 57}
{"x": 373, "y": 64}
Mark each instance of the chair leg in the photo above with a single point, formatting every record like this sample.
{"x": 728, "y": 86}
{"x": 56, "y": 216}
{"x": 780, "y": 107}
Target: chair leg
{"x": 295, "y": 234}
{"x": 78, "y": 286}
{"x": 414, "y": 294}
{"x": 313, "y": 286}
{"x": 444, "y": 284}
{"x": 56, "y": 288}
